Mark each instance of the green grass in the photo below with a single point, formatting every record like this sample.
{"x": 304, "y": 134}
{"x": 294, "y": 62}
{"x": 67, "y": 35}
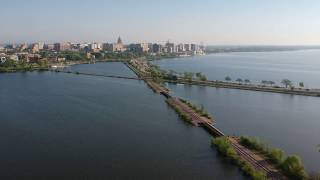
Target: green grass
{"x": 291, "y": 166}
{"x": 200, "y": 110}
{"x": 181, "y": 114}
{"x": 225, "y": 148}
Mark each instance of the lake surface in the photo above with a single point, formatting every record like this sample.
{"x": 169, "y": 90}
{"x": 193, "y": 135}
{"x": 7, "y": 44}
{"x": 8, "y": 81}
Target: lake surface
{"x": 113, "y": 68}
{"x": 256, "y": 66}
{"x": 67, "y": 126}
{"x": 284, "y": 121}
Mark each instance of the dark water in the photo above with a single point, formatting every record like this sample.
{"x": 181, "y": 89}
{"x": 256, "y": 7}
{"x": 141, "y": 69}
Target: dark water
{"x": 285, "y": 121}
{"x": 295, "y": 65}
{"x": 112, "y": 68}
{"x": 66, "y": 126}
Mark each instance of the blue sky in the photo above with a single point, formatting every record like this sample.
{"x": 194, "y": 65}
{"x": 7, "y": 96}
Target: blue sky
{"x": 278, "y": 22}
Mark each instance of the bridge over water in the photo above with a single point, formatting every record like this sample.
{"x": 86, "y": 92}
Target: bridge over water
{"x": 98, "y": 75}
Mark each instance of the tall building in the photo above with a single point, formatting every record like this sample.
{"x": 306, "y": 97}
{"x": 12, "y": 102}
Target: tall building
{"x": 139, "y": 48}
{"x": 57, "y": 46}
{"x": 154, "y": 48}
{"x": 194, "y": 47}
{"x": 62, "y": 46}
{"x": 119, "y": 47}
{"x": 169, "y": 47}
{"x": 115, "y": 47}
{"x": 49, "y": 47}
{"x": 187, "y": 47}
{"x": 35, "y": 48}
{"x": 180, "y": 48}
{"x": 107, "y": 47}
{"x": 41, "y": 45}
{"x": 23, "y": 47}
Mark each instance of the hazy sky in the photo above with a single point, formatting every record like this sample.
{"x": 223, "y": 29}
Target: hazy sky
{"x": 278, "y": 22}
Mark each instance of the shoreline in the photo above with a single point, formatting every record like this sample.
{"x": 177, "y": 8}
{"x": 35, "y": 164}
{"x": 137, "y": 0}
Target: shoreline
{"x": 248, "y": 87}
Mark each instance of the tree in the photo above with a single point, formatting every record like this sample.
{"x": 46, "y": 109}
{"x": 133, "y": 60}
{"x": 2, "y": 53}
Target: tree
{"x": 276, "y": 156}
{"x": 264, "y": 82}
{"x": 201, "y": 76}
{"x": 172, "y": 75}
{"x": 198, "y": 74}
{"x": 301, "y": 84}
{"x": 8, "y": 63}
{"x": 239, "y": 80}
{"x": 271, "y": 83}
{"x": 188, "y": 76}
{"x": 228, "y": 78}
{"x": 286, "y": 82}
{"x": 294, "y": 168}
{"x": 247, "y": 81}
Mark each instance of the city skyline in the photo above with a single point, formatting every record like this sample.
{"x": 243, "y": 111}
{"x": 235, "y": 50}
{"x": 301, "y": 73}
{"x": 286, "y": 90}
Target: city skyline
{"x": 212, "y": 22}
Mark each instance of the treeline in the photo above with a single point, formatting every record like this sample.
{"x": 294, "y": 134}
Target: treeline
{"x": 291, "y": 165}
{"x": 225, "y": 148}
{"x": 158, "y": 73}
{"x": 13, "y": 66}
{"x": 285, "y": 82}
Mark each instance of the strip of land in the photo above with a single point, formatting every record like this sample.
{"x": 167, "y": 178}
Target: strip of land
{"x": 250, "y": 87}
{"x": 249, "y": 158}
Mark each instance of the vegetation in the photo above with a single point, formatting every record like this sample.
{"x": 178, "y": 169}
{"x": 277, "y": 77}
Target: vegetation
{"x": 239, "y": 80}
{"x": 228, "y": 78}
{"x": 286, "y": 82}
{"x": 181, "y": 114}
{"x": 188, "y": 76}
{"x": 225, "y": 148}
{"x": 265, "y": 82}
{"x": 301, "y": 84}
{"x": 293, "y": 167}
{"x": 290, "y": 165}
{"x": 247, "y": 81}
{"x": 200, "y": 110}
{"x": 13, "y": 66}
{"x": 72, "y": 56}
{"x": 201, "y": 77}
{"x": 171, "y": 75}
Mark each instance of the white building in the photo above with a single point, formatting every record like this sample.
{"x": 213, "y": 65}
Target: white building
{"x": 3, "y": 59}
{"x": 14, "y": 57}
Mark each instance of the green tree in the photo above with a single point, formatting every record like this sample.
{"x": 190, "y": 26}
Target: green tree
{"x": 301, "y": 84}
{"x": 188, "y": 76}
{"x": 286, "y": 82}
{"x": 247, "y": 81}
{"x": 294, "y": 168}
{"x": 264, "y": 82}
{"x": 276, "y": 156}
{"x": 201, "y": 76}
{"x": 239, "y": 80}
{"x": 271, "y": 83}
{"x": 228, "y": 78}
{"x": 8, "y": 63}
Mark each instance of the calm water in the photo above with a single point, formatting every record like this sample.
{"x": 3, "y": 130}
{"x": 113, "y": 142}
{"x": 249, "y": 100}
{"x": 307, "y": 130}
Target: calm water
{"x": 66, "y": 126}
{"x": 112, "y": 68}
{"x": 295, "y": 65}
{"x": 285, "y": 121}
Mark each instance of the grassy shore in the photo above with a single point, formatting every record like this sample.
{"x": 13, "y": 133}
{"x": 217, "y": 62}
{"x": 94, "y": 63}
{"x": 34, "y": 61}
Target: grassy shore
{"x": 200, "y": 110}
{"x": 181, "y": 114}
{"x": 225, "y": 148}
{"x": 291, "y": 165}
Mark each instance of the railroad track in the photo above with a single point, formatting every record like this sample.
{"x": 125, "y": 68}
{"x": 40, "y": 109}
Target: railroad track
{"x": 196, "y": 118}
{"x": 247, "y": 156}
